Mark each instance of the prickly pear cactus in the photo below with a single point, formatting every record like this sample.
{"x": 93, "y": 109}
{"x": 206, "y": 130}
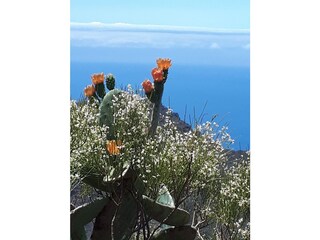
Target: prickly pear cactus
{"x": 117, "y": 220}
{"x": 84, "y": 214}
{"x": 177, "y": 233}
{"x": 125, "y": 218}
{"x": 165, "y": 198}
{"x": 160, "y": 212}
{"x": 100, "y": 90}
{"x": 106, "y": 112}
{"x": 110, "y": 81}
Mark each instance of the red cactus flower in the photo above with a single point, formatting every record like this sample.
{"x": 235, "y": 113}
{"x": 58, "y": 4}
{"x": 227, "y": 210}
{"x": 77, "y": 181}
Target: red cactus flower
{"x": 147, "y": 86}
{"x": 157, "y": 74}
{"x": 113, "y": 147}
{"x": 164, "y": 63}
{"x": 89, "y": 91}
{"x": 97, "y": 78}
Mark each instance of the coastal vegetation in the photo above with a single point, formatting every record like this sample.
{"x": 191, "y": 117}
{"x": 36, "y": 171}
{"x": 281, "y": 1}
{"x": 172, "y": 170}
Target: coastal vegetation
{"x": 145, "y": 178}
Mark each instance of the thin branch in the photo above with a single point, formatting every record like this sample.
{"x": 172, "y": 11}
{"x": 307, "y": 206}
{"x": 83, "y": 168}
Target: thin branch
{"x": 179, "y": 195}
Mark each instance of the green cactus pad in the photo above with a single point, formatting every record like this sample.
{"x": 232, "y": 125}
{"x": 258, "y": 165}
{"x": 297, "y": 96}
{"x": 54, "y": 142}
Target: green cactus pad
{"x": 102, "y": 225}
{"x": 96, "y": 181}
{"x": 156, "y": 98}
{"x": 84, "y": 214}
{"x": 125, "y": 218}
{"x": 129, "y": 177}
{"x": 110, "y": 81}
{"x": 159, "y": 212}
{"x": 127, "y": 173}
{"x": 79, "y": 234}
{"x": 106, "y": 111}
{"x": 100, "y": 90}
{"x": 177, "y": 233}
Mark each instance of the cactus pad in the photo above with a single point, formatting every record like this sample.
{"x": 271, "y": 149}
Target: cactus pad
{"x": 177, "y": 233}
{"x": 84, "y": 214}
{"x": 106, "y": 112}
{"x": 159, "y": 212}
{"x": 110, "y": 81}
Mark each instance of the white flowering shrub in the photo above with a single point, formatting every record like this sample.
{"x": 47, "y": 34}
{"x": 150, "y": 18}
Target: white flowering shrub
{"x": 131, "y": 123}
{"x": 231, "y": 208}
{"x": 193, "y": 165}
{"x": 87, "y": 143}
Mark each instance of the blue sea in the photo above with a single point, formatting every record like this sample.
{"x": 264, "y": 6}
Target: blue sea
{"x": 190, "y": 91}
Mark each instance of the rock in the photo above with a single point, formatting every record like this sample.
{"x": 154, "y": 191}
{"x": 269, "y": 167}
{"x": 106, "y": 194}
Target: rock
{"x": 181, "y": 125}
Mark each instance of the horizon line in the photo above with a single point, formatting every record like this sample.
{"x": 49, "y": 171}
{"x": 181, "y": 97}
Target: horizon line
{"x": 122, "y": 26}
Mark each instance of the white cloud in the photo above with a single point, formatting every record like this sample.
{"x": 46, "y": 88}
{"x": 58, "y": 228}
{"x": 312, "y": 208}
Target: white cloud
{"x": 214, "y": 45}
{"x": 96, "y": 34}
{"x": 154, "y": 28}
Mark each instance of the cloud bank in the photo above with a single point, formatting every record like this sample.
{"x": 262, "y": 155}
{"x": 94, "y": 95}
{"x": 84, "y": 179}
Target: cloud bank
{"x": 98, "y": 34}
{"x": 153, "y": 28}
{"x": 122, "y": 42}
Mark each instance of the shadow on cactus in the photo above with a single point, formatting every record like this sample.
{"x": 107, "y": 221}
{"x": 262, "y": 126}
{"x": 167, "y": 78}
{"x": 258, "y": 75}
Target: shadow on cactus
{"x": 119, "y": 150}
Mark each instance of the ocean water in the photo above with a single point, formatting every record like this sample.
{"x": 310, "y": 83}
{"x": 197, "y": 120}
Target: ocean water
{"x": 190, "y": 91}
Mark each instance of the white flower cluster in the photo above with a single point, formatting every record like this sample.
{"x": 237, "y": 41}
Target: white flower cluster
{"x": 131, "y": 124}
{"x": 232, "y": 206}
{"x": 87, "y": 140}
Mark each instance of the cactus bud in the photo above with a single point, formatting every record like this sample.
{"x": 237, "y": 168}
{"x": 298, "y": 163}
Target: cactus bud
{"x": 147, "y": 86}
{"x": 89, "y": 91}
{"x": 157, "y": 74}
{"x": 110, "y": 81}
{"x": 97, "y": 78}
{"x": 164, "y": 64}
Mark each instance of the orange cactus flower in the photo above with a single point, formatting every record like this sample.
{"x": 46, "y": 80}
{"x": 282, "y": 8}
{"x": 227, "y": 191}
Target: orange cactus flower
{"x": 157, "y": 74}
{"x": 164, "y": 63}
{"x": 97, "y": 78}
{"x": 147, "y": 86}
{"x": 112, "y": 147}
{"x": 89, "y": 91}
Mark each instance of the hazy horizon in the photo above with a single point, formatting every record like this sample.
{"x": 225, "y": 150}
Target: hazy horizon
{"x": 101, "y": 42}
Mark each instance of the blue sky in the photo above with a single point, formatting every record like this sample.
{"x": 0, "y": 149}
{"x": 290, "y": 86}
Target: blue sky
{"x": 205, "y": 13}
{"x": 212, "y": 32}
{"x": 192, "y": 34}
{"x": 142, "y": 43}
